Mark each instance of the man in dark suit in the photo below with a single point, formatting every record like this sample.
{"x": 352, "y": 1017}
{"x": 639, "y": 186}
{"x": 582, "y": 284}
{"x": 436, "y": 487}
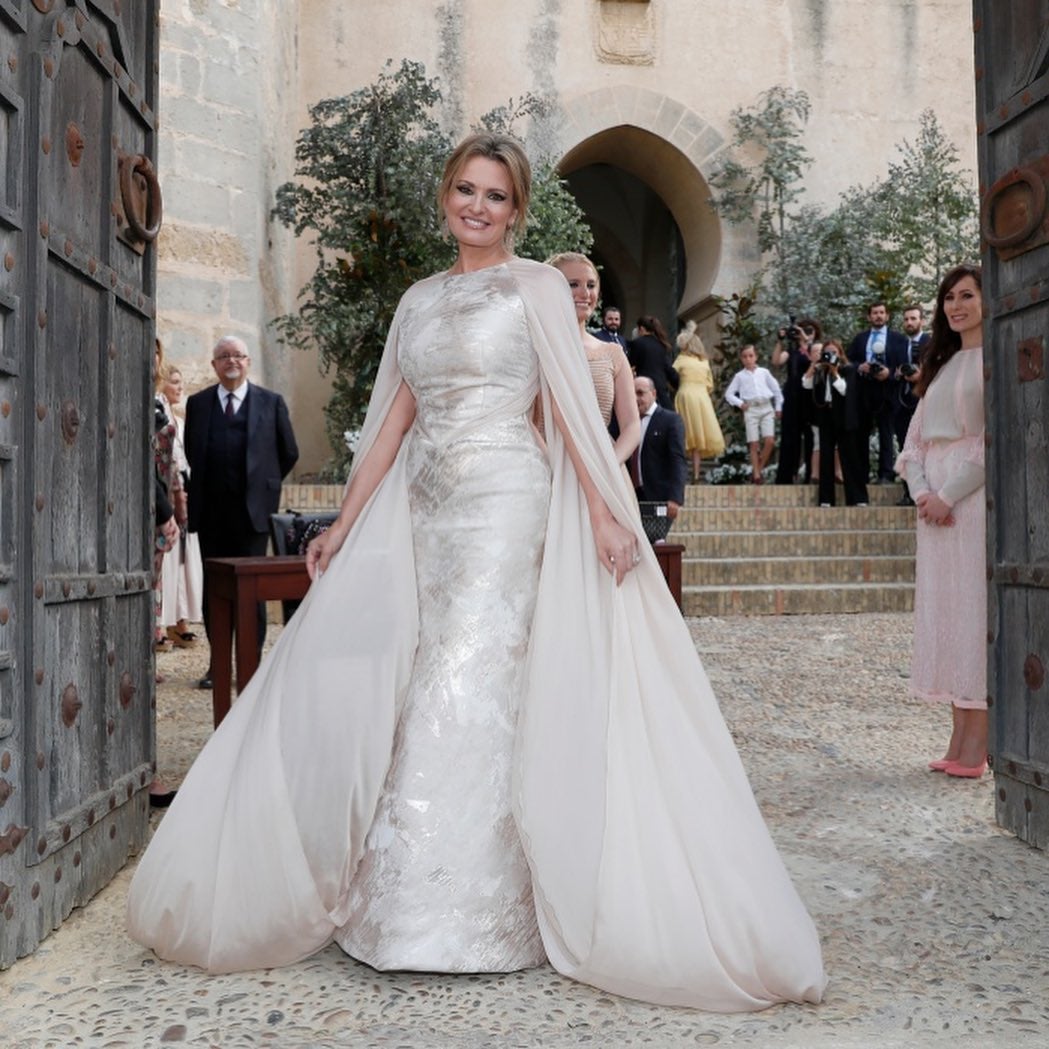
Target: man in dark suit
{"x": 906, "y": 370}
{"x": 660, "y": 466}
{"x": 240, "y": 446}
{"x": 609, "y": 330}
{"x": 870, "y": 352}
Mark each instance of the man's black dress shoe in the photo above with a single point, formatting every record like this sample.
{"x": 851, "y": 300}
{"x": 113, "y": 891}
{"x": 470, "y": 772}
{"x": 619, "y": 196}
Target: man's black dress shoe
{"x": 162, "y": 801}
{"x": 205, "y": 683}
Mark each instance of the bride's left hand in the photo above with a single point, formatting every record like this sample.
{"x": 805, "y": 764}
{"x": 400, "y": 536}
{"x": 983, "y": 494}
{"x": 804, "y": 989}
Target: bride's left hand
{"x": 617, "y": 547}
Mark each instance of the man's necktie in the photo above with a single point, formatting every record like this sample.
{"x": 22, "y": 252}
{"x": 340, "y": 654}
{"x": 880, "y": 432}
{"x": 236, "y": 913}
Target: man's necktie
{"x": 230, "y": 410}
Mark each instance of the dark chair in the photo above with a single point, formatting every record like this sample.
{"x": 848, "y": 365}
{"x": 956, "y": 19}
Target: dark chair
{"x": 656, "y": 520}
{"x": 291, "y": 532}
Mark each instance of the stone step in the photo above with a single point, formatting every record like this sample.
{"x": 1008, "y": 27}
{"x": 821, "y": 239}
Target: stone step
{"x": 714, "y": 495}
{"x": 807, "y": 544}
{"x": 792, "y": 518}
{"x": 788, "y": 571}
{"x": 800, "y": 599}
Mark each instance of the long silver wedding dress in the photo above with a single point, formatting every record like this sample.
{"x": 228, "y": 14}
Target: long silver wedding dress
{"x": 469, "y": 750}
{"x": 443, "y": 883}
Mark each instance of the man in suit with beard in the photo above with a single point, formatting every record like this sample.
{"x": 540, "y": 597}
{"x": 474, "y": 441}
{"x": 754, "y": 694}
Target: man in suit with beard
{"x": 905, "y": 363}
{"x": 659, "y": 467}
{"x": 870, "y": 352}
{"x": 609, "y": 330}
{"x": 240, "y": 446}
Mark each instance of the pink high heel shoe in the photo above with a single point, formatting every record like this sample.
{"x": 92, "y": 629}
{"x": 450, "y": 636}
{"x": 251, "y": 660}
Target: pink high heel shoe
{"x": 941, "y": 765}
{"x": 965, "y": 771}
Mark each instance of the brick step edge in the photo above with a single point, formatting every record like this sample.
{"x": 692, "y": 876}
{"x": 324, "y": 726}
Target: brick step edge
{"x": 799, "y": 599}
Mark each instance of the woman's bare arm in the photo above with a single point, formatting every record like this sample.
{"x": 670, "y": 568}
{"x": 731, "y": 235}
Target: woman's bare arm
{"x": 365, "y": 480}
{"x": 625, "y": 407}
{"x": 617, "y": 547}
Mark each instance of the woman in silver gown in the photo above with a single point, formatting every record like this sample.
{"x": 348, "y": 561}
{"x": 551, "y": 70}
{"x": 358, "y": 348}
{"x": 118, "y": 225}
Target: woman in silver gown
{"x": 485, "y": 740}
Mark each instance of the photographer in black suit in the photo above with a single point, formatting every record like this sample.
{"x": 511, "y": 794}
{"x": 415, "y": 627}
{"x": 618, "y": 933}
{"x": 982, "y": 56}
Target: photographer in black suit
{"x": 870, "y": 352}
{"x": 832, "y": 386}
{"x": 659, "y": 467}
{"x": 795, "y": 440}
{"x": 240, "y": 446}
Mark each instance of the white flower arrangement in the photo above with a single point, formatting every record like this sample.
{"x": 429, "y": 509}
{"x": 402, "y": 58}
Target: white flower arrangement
{"x": 352, "y": 439}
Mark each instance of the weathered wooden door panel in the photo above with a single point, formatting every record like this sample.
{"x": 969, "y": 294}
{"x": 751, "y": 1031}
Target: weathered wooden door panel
{"x": 1012, "y": 62}
{"x": 14, "y": 763}
{"x": 76, "y": 607}
{"x": 69, "y": 458}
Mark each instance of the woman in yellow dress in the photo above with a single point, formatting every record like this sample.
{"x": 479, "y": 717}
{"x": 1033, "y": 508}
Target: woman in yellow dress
{"x": 703, "y": 437}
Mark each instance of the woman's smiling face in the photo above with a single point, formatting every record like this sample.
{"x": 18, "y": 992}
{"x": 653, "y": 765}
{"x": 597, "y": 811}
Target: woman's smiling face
{"x": 479, "y": 207}
{"x": 585, "y": 287}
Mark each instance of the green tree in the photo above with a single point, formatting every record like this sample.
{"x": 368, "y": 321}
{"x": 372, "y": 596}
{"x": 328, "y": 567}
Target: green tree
{"x": 364, "y": 193}
{"x": 926, "y": 212}
{"x": 764, "y": 190}
{"x": 893, "y": 240}
{"x": 366, "y": 177}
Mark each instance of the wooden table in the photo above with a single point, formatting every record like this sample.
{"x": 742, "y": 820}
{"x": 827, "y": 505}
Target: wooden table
{"x": 235, "y": 585}
{"x": 669, "y": 557}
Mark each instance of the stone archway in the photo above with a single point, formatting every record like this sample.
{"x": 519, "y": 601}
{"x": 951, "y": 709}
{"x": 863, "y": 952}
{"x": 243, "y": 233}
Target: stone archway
{"x": 637, "y": 161}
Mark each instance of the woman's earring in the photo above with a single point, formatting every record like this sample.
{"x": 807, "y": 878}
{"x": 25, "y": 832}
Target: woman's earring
{"x": 508, "y": 236}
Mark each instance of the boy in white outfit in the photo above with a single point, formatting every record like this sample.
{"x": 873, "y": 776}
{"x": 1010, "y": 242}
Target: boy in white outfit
{"x": 759, "y": 397}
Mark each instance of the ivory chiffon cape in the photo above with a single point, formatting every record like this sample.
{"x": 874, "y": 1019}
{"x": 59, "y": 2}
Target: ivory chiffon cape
{"x": 653, "y": 871}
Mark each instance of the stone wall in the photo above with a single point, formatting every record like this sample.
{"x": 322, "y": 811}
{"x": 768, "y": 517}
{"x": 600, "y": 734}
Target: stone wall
{"x": 228, "y": 86}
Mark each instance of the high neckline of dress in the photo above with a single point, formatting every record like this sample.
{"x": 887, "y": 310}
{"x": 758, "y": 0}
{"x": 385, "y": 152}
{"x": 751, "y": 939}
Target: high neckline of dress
{"x": 483, "y": 269}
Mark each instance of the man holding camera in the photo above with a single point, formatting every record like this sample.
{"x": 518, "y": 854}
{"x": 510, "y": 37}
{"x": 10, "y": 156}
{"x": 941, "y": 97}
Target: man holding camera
{"x": 795, "y": 442}
{"x": 906, "y": 370}
{"x": 870, "y": 353}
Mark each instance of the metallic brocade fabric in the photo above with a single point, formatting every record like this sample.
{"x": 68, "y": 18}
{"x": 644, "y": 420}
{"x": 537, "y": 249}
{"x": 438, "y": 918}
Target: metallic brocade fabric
{"x": 443, "y": 884}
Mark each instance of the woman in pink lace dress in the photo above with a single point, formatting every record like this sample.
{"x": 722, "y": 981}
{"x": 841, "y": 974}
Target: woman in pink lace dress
{"x": 942, "y": 462}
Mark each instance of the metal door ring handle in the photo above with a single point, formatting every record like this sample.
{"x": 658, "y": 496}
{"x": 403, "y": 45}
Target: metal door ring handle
{"x": 148, "y": 226}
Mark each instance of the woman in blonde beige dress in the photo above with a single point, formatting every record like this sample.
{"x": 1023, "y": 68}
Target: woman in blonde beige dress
{"x": 609, "y": 368}
{"x": 703, "y": 437}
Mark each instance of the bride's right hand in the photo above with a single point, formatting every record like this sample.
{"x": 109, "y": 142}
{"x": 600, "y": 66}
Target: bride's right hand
{"x": 322, "y": 549}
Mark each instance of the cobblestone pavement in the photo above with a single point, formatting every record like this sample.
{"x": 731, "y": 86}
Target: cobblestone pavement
{"x": 935, "y": 924}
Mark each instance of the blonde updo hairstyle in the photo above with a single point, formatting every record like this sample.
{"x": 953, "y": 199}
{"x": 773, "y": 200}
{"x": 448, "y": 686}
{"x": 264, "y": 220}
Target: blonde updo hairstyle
{"x": 688, "y": 341}
{"x": 571, "y": 258}
{"x": 504, "y": 150}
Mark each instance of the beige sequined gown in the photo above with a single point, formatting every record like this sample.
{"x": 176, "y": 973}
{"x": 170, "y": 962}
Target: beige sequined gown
{"x": 604, "y": 367}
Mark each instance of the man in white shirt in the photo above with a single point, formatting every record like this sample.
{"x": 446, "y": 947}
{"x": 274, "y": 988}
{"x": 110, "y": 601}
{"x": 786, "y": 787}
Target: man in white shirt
{"x": 756, "y": 393}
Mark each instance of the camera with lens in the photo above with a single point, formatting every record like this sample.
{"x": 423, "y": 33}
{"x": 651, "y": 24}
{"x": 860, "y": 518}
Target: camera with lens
{"x": 829, "y": 357}
{"x": 908, "y": 371}
{"x": 790, "y": 333}
{"x": 877, "y": 364}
